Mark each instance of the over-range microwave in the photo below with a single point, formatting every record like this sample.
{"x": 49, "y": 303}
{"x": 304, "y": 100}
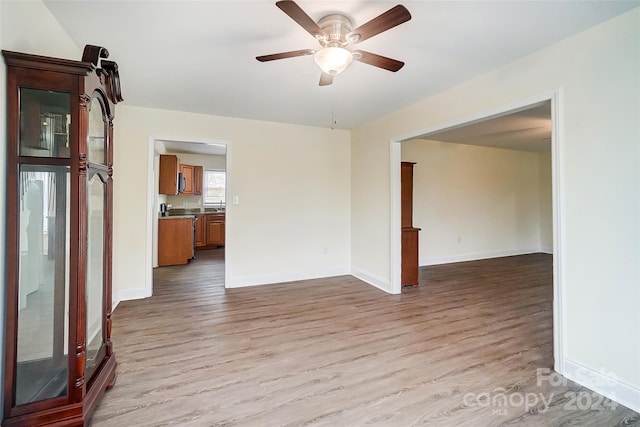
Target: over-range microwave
{"x": 182, "y": 182}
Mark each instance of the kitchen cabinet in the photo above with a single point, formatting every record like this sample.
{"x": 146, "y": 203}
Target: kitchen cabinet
{"x": 187, "y": 173}
{"x": 169, "y": 168}
{"x": 215, "y": 230}
{"x": 201, "y": 235}
{"x": 409, "y": 247}
{"x": 175, "y": 240}
{"x": 58, "y": 355}
{"x": 198, "y": 172}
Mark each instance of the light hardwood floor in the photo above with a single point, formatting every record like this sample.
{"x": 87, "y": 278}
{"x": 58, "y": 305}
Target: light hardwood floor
{"x": 338, "y": 352}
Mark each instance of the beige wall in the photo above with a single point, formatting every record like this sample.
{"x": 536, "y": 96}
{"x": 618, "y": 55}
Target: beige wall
{"x": 293, "y": 185}
{"x": 474, "y": 202}
{"x": 598, "y": 166}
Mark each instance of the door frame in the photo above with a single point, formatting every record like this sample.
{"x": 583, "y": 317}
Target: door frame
{"x": 555, "y": 97}
{"x": 152, "y": 212}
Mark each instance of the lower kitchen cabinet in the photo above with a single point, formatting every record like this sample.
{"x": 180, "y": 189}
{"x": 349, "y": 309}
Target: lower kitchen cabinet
{"x": 215, "y": 230}
{"x": 175, "y": 240}
{"x": 201, "y": 229}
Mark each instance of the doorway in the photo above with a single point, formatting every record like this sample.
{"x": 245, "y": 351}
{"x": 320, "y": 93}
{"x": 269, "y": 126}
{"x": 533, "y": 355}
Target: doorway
{"x": 204, "y": 202}
{"x": 550, "y": 102}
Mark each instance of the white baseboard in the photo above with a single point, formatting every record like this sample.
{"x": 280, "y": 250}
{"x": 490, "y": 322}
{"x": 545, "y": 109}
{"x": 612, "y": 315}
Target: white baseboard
{"x": 603, "y": 383}
{"x": 267, "y": 279}
{"x": 546, "y": 250}
{"x": 130, "y": 294}
{"x": 370, "y": 279}
{"x": 477, "y": 256}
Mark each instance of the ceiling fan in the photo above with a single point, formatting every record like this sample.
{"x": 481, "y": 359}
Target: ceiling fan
{"x": 335, "y": 34}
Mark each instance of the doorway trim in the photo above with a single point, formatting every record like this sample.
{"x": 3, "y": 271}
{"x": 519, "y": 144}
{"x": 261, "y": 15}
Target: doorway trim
{"x": 555, "y": 97}
{"x": 152, "y": 213}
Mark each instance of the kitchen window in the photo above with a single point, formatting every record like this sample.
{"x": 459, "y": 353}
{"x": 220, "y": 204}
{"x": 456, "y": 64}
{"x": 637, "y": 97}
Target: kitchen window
{"x": 214, "y": 187}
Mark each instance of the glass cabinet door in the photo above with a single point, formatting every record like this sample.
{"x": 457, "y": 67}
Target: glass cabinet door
{"x": 96, "y": 133}
{"x": 45, "y": 117}
{"x": 96, "y": 208}
{"x": 43, "y": 284}
{"x": 95, "y": 276}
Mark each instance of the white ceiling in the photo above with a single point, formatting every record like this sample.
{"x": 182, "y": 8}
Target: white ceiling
{"x": 526, "y": 130}
{"x": 189, "y": 147}
{"x": 199, "y": 56}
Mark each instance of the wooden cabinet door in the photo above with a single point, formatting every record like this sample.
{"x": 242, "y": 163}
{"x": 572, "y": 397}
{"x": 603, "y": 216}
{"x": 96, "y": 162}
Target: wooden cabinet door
{"x": 215, "y": 233}
{"x": 187, "y": 172}
{"x": 168, "y": 174}
{"x": 410, "y": 259}
{"x": 200, "y": 232}
{"x": 406, "y": 183}
{"x": 175, "y": 241}
{"x": 197, "y": 180}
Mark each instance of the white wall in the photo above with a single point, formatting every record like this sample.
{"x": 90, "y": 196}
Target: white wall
{"x": 25, "y": 26}
{"x": 3, "y": 204}
{"x": 546, "y": 202}
{"x": 598, "y": 164}
{"x": 292, "y": 181}
{"x": 474, "y": 202}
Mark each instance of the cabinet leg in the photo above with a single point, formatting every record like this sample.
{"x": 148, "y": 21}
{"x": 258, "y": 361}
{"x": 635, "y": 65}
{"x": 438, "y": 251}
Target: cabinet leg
{"x": 112, "y": 382}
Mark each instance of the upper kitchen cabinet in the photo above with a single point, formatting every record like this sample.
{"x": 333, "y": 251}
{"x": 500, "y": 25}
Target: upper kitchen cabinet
{"x": 169, "y": 168}
{"x": 187, "y": 173}
{"x": 58, "y": 356}
{"x": 198, "y": 172}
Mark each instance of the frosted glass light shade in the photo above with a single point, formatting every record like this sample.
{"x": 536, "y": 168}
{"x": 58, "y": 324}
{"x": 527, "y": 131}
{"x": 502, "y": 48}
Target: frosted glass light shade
{"x": 333, "y": 60}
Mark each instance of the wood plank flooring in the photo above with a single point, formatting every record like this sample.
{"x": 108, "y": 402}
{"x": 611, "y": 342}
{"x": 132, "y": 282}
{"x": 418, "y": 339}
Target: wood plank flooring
{"x": 338, "y": 352}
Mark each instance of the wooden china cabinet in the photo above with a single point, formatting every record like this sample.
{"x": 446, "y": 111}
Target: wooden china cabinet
{"x": 58, "y": 357}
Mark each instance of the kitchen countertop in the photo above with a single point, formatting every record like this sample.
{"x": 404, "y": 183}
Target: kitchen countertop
{"x": 195, "y": 211}
{"x": 177, "y": 217}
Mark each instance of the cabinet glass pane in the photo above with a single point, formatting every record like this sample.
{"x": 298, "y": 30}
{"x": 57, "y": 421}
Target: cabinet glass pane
{"x": 95, "y": 269}
{"x": 96, "y": 133}
{"x": 43, "y": 292}
{"x": 45, "y": 118}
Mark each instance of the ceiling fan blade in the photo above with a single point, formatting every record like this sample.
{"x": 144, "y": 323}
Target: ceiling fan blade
{"x": 326, "y": 79}
{"x": 294, "y": 11}
{"x": 391, "y": 18}
{"x": 283, "y": 55}
{"x": 377, "y": 60}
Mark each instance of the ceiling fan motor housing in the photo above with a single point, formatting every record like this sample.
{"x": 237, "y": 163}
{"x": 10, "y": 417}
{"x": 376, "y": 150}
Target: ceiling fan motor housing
{"x": 336, "y": 27}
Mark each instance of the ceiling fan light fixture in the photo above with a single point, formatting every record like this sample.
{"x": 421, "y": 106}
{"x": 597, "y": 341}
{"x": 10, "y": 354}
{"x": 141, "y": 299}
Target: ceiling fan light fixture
{"x": 333, "y": 60}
